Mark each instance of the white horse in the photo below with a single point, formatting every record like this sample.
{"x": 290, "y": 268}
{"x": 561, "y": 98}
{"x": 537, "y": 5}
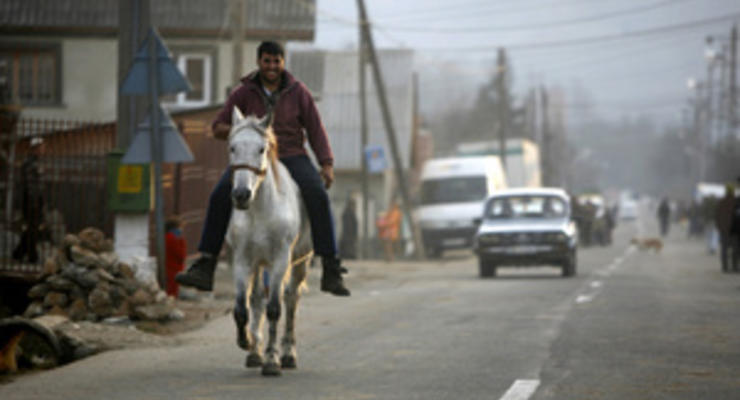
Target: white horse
{"x": 269, "y": 231}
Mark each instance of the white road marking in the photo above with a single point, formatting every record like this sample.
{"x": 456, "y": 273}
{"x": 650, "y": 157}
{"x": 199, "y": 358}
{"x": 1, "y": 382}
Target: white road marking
{"x": 594, "y": 286}
{"x": 521, "y": 389}
{"x": 584, "y": 298}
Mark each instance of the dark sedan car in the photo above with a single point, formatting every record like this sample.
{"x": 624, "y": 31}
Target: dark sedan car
{"x": 527, "y": 227}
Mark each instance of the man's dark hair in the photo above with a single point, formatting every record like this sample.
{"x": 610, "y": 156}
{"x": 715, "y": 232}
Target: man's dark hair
{"x": 269, "y": 47}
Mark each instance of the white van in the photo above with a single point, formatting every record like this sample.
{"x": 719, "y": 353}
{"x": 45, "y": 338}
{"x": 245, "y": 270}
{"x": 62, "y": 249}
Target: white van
{"x": 452, "y": 196}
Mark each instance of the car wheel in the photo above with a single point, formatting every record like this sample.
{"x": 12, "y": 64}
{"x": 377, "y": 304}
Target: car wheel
{"x": 486, "y": 268}
{"x": 570, "y": 264}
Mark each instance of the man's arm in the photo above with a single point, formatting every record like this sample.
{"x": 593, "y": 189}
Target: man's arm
{"x": 315, "y": 131}
{"x": 221, "y": 130}
{"x": 221, "y": 126}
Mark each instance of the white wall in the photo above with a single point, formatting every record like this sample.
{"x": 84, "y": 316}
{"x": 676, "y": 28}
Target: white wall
{"x": 89, "y": 81}
{"x": 89, "y": 71}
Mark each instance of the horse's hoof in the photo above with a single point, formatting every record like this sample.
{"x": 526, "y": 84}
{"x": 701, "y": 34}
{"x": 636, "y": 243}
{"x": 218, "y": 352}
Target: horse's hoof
{"x": 287, "y": 361}
{"x": 271, "y": 369}
{"x": 254, "y": 360}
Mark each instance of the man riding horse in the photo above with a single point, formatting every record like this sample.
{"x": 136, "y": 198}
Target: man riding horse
{"x": 273, "y": 89}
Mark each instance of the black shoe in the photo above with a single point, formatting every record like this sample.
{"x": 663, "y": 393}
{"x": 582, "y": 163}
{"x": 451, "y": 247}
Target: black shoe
{"x": 331, "y": 279}
{"x": 199, "y": 275}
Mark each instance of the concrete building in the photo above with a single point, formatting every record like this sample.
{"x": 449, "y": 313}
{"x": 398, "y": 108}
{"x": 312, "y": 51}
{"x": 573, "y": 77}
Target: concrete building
{"x": 61, "y": 57}
{"x": 333, "y": 78}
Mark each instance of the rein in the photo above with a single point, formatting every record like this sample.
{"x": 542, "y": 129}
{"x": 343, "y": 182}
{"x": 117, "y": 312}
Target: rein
{"x": 257, "y": 171}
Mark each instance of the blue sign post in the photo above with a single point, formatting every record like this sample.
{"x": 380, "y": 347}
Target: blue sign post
{"x": 375, "y": 157}
{"x": 153, "y": 73}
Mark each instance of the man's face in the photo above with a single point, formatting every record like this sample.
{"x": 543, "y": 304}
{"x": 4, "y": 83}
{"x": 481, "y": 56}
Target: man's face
{"x": 271, "y": 67}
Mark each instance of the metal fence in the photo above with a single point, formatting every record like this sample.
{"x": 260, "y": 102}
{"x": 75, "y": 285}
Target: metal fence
{"x": 64, "y": 177}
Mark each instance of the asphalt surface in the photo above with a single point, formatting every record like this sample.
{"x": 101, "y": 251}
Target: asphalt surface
{"x": 630, "y": 325}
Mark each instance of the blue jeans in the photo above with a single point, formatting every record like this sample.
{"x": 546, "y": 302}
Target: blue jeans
{"x": 314, "y": 196}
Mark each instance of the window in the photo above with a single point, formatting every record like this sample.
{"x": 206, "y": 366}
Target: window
{"x": 526, "y": 207}
{"x": 453, "y": 190}
{"x": 32, "y": 74}
{"x": 196, "y": 67}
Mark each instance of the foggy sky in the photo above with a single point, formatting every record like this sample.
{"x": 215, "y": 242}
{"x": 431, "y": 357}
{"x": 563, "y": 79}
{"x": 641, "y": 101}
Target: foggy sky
{"x": 643, "y": 74}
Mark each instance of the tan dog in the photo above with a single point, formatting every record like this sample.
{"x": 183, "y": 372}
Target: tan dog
{"x": 648, "y": 243}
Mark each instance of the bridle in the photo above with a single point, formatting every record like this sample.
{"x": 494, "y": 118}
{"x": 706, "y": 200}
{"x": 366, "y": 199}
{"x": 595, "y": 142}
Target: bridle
{"x": 257, "y": 171}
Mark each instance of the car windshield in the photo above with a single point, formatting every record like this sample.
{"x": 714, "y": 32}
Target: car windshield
{"x": 512, "y": 207}
{"x": 453, "y": 190}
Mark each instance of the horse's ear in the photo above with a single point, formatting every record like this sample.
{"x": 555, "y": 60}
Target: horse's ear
{"x": 236, "y": 116}
{"x": 266, "y": 121}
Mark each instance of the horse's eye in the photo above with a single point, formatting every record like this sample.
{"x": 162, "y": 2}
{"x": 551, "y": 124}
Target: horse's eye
{"x": 262, "y": 150}
{"x": 232, "y": 149}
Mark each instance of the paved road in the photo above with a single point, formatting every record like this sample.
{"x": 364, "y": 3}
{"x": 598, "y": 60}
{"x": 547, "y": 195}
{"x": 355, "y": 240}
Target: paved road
{"x": 631, "y": 325}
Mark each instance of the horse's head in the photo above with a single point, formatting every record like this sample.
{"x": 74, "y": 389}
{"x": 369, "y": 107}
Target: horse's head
{"x": 252, "y": 147}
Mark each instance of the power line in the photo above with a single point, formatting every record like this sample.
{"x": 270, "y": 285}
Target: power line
{"x": 465, "y": 11}
{"x": 615, "y": 53}
{"x": 580, "y": 20}
{"x": 589, "y": 40}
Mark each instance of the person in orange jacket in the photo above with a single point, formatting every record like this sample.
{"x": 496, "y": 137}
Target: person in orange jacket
{"x": 389, "y": 226}
{"x": 175, "y": 253}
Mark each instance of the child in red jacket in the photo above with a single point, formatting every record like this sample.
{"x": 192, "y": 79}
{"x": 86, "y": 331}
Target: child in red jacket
{"x": 175, "y": 253}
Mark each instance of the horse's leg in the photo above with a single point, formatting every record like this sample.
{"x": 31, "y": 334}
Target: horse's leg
{"x": 240, "y": 312}
{"x": 291, "y": 298}
{"x": 241, "y": 316}
{"x": 257, "y": 311}
{"x": 279, "y": 269}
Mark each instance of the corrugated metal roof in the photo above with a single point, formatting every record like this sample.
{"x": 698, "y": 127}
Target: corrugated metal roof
{"x": 339, "y": 101}
{"x": 285, "y": 18}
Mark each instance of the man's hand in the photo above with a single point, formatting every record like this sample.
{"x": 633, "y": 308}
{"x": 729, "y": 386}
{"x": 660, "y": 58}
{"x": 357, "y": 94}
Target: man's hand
{"x": 327, "y": 174}
{"x": 221, "y": 131}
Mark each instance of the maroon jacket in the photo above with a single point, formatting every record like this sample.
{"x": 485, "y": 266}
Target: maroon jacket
{"x": 294, "y": 113}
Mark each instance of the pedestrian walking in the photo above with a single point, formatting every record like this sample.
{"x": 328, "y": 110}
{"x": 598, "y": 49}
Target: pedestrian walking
{"x": 664, "y": 216}
{"x": 33, "y": 205}
{"x": 735, "y": 233}
{"x": 723, "y": 220}
{"x": 389, "y": 225}
{"x": 348, "y": 243}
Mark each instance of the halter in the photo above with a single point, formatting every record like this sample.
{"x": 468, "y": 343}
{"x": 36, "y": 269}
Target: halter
{"x": 257, "y": 171}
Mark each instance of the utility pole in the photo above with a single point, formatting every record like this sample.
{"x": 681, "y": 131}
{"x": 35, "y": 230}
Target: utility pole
{"x": 238, "y": 9}
{"x": 388, "y": 122}
{"x": 502, "y": 104}
{"x": 733, "y": 82}
{"x": 156, "y": 151}
{"x": 133, "y": 23}
{"x": 362, "y": 56}
{"x": 131, "y": 229}
{"x": 709, "y": 108}
{"x": 698, "y": 136}
{"x": 546, "y": 150}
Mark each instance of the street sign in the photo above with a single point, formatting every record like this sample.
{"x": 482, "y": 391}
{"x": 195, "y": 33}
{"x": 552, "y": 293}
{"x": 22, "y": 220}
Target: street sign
{"x": 375, "y": 158}
{"x": 174, "y": 148}
{"x": 170, "y": 79}
{"x": 129, "y": 186}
